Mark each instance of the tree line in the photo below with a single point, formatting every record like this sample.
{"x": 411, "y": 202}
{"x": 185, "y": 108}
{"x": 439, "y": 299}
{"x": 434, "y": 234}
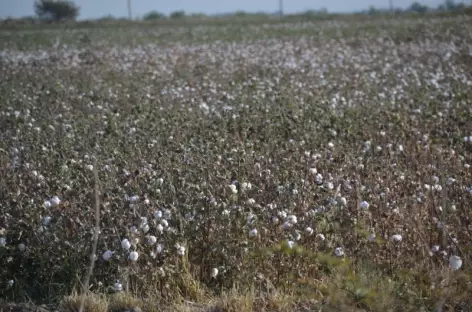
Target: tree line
{"x": 67, "y": 10}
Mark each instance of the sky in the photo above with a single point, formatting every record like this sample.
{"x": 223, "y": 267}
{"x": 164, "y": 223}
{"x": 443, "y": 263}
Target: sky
{"x": 90, "y": 9}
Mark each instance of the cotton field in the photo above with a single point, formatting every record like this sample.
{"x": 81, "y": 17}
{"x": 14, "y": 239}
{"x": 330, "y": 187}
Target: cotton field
{"x": 279, "y": 167}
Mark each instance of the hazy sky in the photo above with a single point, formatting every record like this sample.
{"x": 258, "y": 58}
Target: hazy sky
{"x": 99, "y": 8}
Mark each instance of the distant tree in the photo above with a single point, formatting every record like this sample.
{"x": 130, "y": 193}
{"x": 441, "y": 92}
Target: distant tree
{"x": 153, "y": 16}
{"x": 177, "y": 15}
{"x": 56, "y": 10}
{"x": 372, "y": 10}
{"x": 418, "y": 7}
{"x": 450, "y": 5}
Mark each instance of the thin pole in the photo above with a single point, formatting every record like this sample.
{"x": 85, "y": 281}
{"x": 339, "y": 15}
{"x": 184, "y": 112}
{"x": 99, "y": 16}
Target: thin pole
{"x": 391, "y": 5}
{"x": 281, "y": 7}
{"x": 130, "y": 15}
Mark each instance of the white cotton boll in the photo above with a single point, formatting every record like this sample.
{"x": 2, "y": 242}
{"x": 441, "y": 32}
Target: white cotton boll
{"x": 133, "y": 256}
{"x": 147, "y": 201}
{"x": 134, "y": 199}
{"x": 342, "y": 201}
{"x": 295, "y": 192}
{"x": 251, "y": 201}
{"x": 364, "y": 205}
{"x": 455, "y": 262}
{"x": 145, "y": 228}
{"x": 151, "y": 240}
{"x": 275, "y": 220}
{"x": 158, "y": 214}
{"x": 253, "y": 233}
{"x": 452, "y": 208}
{"x": 21, "y": 247}
{"x": 338, "y": 252}
{"x": 438, "y": 188}
{"x": 164, "y": 223}
{"x": 46, "y": 220}
{"x": 290, "y": 244}
{"x": 450, "y": 181}
{"x": 297, "y": 236}
{"x": 309, "y": 230}
{"x": 107, "y": 255}
{"x": 118, "y": 287}
{"x": 329, "y": 185}
{"x": 287, "y": 225}
{"x": 214, "y": 273}
{"x": 3, "y": 241}
{"x": 319, "y": 179}
{"x": 435, "y": 179}
{"x": 313, "y": 171}
{"x": 107, "y": 168}
{"x": 181, "y": 250}
{"x": 159, "y": 248}
{"x": 134, "y": 230}
{"x": 466, "y": 166}
{"x": 292, "y": 219}
{"x": 47, "y": 204}
{"x": 160, "y": 228}
{"x": 282, "y": 214}
{"x": 89, "y": 167}
{"x": 225, "y": 213}
{"x": 250, "y": 219}
{"x": 233, "y": 189}
{"x": 331, "y": 145}
{"x": 55, "y": 201}
{"x": 320, "y": 237}
{"x": 435, "y": 248}
{"x": 11, "y": 283}
{"x": 125, "y": 244}
{"x": 396, "y": 238}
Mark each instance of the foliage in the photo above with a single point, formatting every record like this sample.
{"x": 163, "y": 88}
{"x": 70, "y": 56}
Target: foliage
{"x": 154, "y": 15}
{"x": 56, "y": 10}
{"x": 418, "y": 7}
{"x": 177, "y": 15}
